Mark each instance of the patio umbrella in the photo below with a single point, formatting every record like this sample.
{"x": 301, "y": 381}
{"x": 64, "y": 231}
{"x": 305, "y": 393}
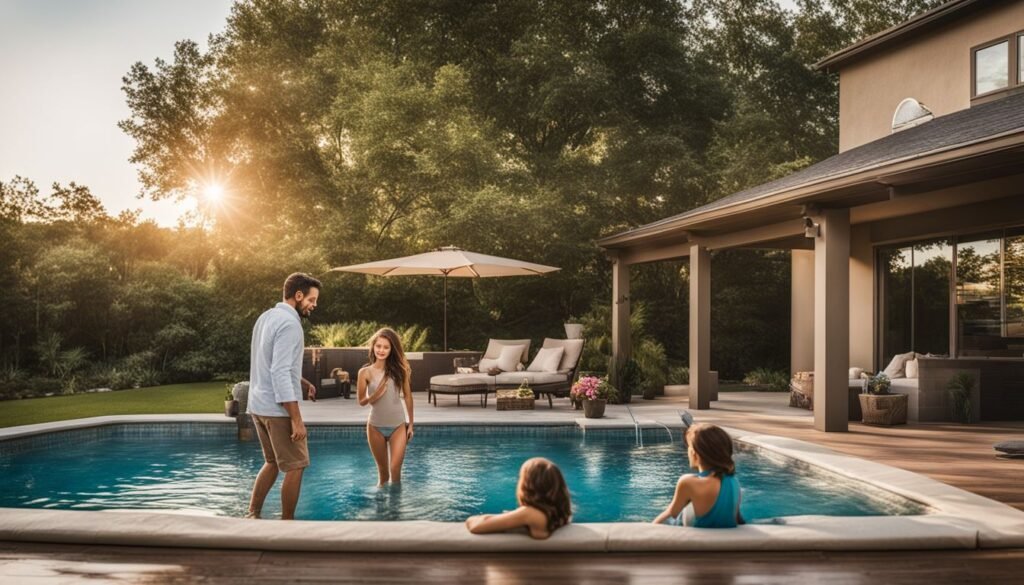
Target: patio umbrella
{"x": 449, "y": 261}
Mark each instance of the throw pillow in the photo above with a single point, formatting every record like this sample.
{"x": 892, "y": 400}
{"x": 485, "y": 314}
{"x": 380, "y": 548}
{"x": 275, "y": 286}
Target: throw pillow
{"x": 899, "y": 361}
{"x": 912, "y": 368}
{"x": 486, "y": 364}
{"x": 508, "y": 359}
{"x": 546, "y": 360}
{"x": 855, "y": 373}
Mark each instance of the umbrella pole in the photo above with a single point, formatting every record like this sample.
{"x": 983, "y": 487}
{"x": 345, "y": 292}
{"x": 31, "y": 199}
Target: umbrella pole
{"x": 446, "y": 311}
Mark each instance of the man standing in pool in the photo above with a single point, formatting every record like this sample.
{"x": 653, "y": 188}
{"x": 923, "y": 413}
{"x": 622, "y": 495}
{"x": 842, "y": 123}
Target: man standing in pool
{"x": 275, "y": 377}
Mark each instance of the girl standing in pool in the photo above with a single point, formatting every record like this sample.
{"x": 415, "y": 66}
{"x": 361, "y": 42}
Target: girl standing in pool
{"x": 384, "y": 385}
{"x": 711, "y": 497}
{"x": 544, "y": 503}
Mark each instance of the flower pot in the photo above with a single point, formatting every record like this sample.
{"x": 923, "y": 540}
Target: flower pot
{"x": 231, "y": 408}
{"x": 594, "y": 408}
{"x": 573, "y": 331}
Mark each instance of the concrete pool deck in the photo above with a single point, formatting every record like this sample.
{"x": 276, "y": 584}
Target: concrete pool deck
{"x": 960, "y": 519}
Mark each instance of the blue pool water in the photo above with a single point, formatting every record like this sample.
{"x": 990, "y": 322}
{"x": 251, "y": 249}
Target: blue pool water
{"x": 450, "y": 473}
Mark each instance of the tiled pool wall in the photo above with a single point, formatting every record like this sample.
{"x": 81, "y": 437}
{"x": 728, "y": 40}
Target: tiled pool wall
{"x": 144, "y": 430}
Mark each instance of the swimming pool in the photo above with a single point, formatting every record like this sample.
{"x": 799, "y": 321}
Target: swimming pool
{"x": 451, "y": 472}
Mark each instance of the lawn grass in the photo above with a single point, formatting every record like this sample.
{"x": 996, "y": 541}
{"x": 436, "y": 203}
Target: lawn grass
{"x": 203, "y": 397}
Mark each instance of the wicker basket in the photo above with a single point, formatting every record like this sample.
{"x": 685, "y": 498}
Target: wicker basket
{"x": 884, "y": 409}
{"x": 510, "y": 400}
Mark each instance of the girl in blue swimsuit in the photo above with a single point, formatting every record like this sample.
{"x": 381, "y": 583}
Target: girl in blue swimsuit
{"x": 384, "y": 386}
{"x": 711, "y": 497}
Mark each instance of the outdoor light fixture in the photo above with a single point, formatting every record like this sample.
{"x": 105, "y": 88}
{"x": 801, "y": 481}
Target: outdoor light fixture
{"x": 811, "y": 229}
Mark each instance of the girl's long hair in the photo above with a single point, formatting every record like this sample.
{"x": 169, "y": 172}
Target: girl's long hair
{"x": 396, "y": 367}
{"x": 542, "y": 486}
{"x": 714, "y": 447}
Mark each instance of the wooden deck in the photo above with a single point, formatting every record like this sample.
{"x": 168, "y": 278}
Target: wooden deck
{"x": 32, "y": 564}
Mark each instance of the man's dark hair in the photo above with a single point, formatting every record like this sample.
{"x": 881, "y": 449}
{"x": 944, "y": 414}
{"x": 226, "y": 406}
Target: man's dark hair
{"x": 299, "y": 281}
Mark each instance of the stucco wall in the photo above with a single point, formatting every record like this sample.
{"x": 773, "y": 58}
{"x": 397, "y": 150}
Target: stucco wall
{"x": 934, "y": 68}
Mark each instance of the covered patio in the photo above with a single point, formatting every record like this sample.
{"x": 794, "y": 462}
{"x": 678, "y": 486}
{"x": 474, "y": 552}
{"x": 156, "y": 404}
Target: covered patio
{"x": 957, "y": 180}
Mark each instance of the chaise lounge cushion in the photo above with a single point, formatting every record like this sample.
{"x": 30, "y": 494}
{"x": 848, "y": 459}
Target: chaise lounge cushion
{"x": 462, "y": 380}
{"x": 494, "y": 348}
{"x": 572, "y": 349}
{"x": 895, "y": 369}
{"x": 546, "y": 360}
{"x": 516, "y": 378}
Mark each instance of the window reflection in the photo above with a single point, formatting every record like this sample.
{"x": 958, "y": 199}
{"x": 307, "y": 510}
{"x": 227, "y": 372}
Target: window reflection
{"x": 979, "y": 297}
{"x": 1013, "y": 278}
{"x": 933, "y": 263}
{"x": 991, "y": 68}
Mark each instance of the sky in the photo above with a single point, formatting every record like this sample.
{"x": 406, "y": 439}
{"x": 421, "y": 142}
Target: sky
{"x": 61, "y": 64}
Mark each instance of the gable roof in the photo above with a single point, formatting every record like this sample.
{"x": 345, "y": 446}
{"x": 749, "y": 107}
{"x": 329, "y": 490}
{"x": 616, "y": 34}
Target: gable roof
{"x": 977, "y": 124}
{"x": 918, "y": 24}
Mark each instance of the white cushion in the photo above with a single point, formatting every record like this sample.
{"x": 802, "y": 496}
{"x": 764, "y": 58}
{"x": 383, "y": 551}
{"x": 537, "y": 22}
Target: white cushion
{"x": 546, "y": 360}
{"x": 508, "y": 359}
{"x": 462, "y": 380}
{"x": 912, "y": 368}
{"x": 572, "y": 350}
{"x": 485, "y": 364}
{"x": 494, "y": 348}
{"x": 899, "y": 361}
{"x": 855, "y": 373}
{"x": 516, "y": 378}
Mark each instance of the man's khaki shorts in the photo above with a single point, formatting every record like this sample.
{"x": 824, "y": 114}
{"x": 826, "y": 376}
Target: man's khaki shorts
{"x": 275, "y": 433}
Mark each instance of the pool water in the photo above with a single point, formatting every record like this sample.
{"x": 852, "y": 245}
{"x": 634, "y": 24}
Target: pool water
{"x": 450, "y": 473}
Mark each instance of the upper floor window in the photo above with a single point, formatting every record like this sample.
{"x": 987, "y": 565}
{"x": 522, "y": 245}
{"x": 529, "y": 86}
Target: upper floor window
{"x": 997, "y": 65}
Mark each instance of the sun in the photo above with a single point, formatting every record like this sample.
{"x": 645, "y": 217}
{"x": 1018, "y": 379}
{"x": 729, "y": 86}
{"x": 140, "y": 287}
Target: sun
{"x": 213, "y": 193}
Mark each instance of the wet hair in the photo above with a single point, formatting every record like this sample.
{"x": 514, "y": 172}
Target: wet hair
{"x": 396, "y": 367}
{"x": 542, "y": 486}
{"x": 714, "y": 447}
{"x": 299, "y": 281}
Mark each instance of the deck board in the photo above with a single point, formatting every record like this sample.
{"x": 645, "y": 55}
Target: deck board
{"x": 30, "y": 563}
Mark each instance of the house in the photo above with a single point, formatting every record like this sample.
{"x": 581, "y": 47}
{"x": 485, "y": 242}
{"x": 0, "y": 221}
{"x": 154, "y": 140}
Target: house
{"x": 910, "y": 239}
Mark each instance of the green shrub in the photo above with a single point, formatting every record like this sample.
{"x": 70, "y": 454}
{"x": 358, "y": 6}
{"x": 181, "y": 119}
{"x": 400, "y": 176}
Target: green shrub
{"x": 678, "y": 375}
{"x": 771, "y": 380}
{"x": 358, "y": 334}
{"x": 959, "y": 392}
{"x": 631, "y": 379}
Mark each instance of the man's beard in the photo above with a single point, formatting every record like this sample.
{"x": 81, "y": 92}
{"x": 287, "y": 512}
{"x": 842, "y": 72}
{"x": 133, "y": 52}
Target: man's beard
{"x": 298, "y": 309}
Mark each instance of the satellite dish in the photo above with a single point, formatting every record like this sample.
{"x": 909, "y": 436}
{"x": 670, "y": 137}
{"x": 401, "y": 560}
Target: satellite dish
{"x": 910, "y": 113}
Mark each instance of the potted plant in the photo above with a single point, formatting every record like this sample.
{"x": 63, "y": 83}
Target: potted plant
{"x": 573, "y": 330}
{"x": 959, "y": 392}
{"x": 595, "y": 393}
{"x": 230, "y": 404}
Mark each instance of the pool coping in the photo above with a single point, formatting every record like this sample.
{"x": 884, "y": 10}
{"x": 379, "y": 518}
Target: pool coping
{"x": 959, "y": 519}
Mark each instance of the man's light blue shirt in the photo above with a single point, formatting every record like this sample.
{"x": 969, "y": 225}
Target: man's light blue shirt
{"x": 276, "y": 366}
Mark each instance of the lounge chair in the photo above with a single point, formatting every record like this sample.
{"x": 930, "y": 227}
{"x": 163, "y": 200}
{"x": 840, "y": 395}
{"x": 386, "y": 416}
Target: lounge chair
{"x": 552, "y": 384}
{"x": 478, "y": 382}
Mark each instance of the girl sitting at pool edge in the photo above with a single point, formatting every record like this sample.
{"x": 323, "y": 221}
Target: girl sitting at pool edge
{"x": 711, "y": 497}
{"x": 544, "y": 503}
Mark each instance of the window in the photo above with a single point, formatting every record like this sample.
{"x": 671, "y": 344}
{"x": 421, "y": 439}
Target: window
{"x": 991, "y": 68}
{"x": 914, "y": 284}
{"x": 979, "y": 276}
{"x": 1020, "y": 58}
{"x": 998, "y": 66}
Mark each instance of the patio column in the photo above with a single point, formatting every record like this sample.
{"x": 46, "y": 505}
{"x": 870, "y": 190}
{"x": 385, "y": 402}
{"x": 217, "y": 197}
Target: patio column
{"x": 700, "y": 328}
{"x": 831, "y": 319}
{"x": 801, "y": 324}
{"x": 621, "y": 349}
